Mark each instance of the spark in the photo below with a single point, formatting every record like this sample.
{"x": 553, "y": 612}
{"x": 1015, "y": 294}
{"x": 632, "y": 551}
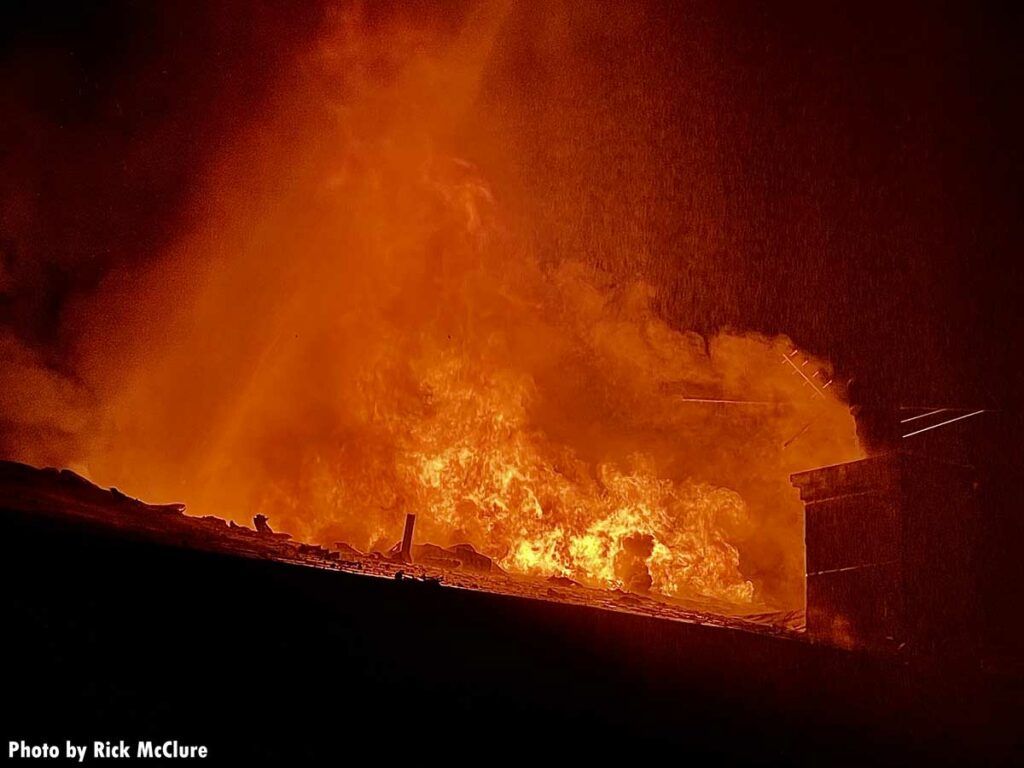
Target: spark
{"x": 944, "y": 423}
{"x": 794, "y": 437}
{"x": 724, "y": 401}
{"x": 924, "y": 415}
{"x": 854, "y": 567}
{"x": 937, "y": 407}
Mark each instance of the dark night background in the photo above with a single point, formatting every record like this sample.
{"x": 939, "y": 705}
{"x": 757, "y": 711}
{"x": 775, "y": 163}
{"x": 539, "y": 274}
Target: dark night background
{"x": 847, "y": 174}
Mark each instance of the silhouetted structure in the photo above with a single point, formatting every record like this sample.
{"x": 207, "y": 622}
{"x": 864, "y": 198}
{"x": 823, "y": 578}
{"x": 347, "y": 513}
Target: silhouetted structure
{"x": 891, "y": 554}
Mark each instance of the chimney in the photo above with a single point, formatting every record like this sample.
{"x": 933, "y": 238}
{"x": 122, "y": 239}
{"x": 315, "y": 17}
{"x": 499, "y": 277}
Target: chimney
{"x": 891, "y": 554}
{"x": 410, "y": 524}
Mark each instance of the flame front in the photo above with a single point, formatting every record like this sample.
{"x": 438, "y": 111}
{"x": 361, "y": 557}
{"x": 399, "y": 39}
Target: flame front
{"x": 479, "y": 471}
{"x": 478, "y": 468}
{"x": 535, "y": 412}
{"x": 359, "y": 325}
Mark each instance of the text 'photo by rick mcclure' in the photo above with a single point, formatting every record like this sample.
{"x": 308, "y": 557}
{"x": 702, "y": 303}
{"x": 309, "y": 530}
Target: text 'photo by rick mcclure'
{"x": 104, "y": 750}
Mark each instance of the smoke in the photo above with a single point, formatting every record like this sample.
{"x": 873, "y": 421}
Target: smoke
{"x": 359, "y": 319}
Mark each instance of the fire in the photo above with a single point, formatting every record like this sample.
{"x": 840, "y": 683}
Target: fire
{"x": 534, "y": 411}
{"x": 483, "y": 473}
{"x": 360, "y": 325}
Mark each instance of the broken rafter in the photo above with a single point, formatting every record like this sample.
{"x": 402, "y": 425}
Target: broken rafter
{"x": 818, "y": 391}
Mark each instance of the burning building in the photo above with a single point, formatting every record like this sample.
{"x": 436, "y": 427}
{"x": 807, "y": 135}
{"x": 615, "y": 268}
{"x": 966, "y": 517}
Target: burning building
{"x": 368, "y": 334}
{"x": 492, "y": 273}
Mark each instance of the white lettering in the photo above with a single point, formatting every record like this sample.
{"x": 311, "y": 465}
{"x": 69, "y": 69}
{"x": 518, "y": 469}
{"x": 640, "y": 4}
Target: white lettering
{"x": 170, "y": 749}
{"x": 106, "y": 749}
{"x": 75, "y": 752}
{"x": 21, "y": 749}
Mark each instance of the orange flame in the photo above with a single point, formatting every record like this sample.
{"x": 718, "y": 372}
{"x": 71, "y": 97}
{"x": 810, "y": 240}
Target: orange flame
{"x": 358, "y": 327}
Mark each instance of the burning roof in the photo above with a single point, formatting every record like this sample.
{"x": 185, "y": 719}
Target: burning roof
{"x": 63, "y": 498}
